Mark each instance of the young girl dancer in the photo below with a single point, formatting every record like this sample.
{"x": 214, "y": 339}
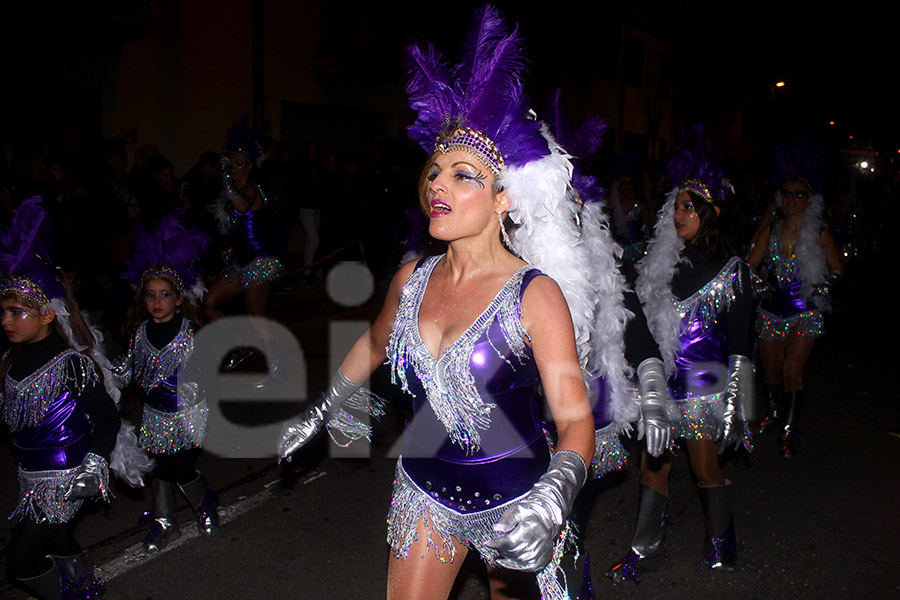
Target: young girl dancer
{"x": 175, "y": 411}
{"x": 57, "y": 404}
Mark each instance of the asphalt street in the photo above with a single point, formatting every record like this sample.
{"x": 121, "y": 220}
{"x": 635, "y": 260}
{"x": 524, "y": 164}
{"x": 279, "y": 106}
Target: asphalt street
{"x": 824, "y": 524}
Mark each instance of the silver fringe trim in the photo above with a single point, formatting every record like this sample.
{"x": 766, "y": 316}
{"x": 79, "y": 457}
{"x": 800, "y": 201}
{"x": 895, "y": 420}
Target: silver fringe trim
{"x": 42, "y": 495}
{"x": 449, "y": 384}
{"x": 409, "y": 504}
{"x": 700, "y": 418}
{"x": 25, "y": 402}
{"x": 167, "y": 433}
{"x": 349, "y": 426}
{"x": 714, "y": 298}
{"x": 149, "y": 366}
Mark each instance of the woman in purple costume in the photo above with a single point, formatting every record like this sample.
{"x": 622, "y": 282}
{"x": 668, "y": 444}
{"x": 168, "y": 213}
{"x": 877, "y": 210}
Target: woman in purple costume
{"x": 797, "y": 252}
{"x": 241, "y": 213}
{"x": 697, "y": 299}
{"x": 473, "y": 334}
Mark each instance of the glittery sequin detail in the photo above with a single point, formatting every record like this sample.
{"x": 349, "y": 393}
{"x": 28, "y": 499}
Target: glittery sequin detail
{"x": 149, "y": 366}
{"x": 700, "y": 418}
{"x": 349, "y": 427}
{"x": 167, "y": 433}
{"x": 809, "y": 323}
{"x": 26, "y": 402}
{"x": 259, "y": 271}
{"x": 448, "y": 381}
{"x": 410, "y": 504}
{"x": 713, "y": 299}
{"x": 609, "y": 454}
{"x": 42, "y": 496}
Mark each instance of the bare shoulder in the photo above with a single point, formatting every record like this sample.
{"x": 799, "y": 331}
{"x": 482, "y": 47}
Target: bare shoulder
{"x": 543, "y": 304}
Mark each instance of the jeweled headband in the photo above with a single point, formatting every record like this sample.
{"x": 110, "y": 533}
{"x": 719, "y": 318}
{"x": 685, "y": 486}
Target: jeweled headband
{"x": 698, "y": 187}
{"x": 165, "y": 273}
{"x": 474, "y": 142}
{"x": 23, "y": 287}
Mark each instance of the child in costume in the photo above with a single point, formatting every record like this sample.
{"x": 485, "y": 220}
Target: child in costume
{"x": 163, "y": 269}
{"x": 57, "y": 399}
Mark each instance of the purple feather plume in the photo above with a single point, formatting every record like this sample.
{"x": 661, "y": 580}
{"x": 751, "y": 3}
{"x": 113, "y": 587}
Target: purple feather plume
{"x": 169, "y": 244}
{"x": 484, "y": 91}
{"x": 693, "y": 160}
{"x": 581, "y": 145}
{"x": 25, "y": 247}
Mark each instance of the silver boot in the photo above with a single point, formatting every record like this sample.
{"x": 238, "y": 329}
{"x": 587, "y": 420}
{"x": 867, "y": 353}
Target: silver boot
{"x": 720, "y": 545}
{"x": 204, "y": 501}
{"x": 648, "y": 547}
{"x": 161, "y": 517}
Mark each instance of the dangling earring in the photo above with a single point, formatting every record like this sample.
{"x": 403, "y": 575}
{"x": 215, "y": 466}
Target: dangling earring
{"x": 506, "y": 240}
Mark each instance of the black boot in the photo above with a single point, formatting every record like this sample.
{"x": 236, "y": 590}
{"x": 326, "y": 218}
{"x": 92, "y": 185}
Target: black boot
{"x": 46, "y": 586}
{"x": 648, "y": 547}
{"x": 78, "y": 579}
{"x": 161, "y": 517}
{"x": 790, "y": 435}
{"x": 204, "y": 501}
{"x": 773, "y": 393}
{"x": 720, "y": 546}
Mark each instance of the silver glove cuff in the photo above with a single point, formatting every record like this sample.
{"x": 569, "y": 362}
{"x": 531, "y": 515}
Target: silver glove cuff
{"x": 652, "y": 379}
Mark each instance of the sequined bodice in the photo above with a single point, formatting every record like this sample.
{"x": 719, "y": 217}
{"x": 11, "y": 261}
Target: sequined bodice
{"x": 786, "y": 299}
{"x": 485, "y": 381}
{"x": 702, "y": 350}
{"x": 150, "y": 366}
{"x": 247, "y": 235}
{"x": 49, "y": 429}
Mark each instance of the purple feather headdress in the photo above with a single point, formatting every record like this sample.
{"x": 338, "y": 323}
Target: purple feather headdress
{"x": 697, "y": 170}
{"x": 581, "y": 144}
{"x": 797, "y": 159}
{"x": 242, "y": 137}
{"x": 169, "y": 252}
{"x": 478, "y": 105}
{"x": 25, "y": 257}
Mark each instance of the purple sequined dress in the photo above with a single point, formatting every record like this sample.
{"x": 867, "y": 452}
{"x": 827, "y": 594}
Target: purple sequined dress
{"x": 252, "y": 263}
{"x": 695, "y": 388}
{"x": 50, "y": 434}
{"x": 175, "y": 413}
{"x": 476, "y": 443}
{"x": 785, "y": 312}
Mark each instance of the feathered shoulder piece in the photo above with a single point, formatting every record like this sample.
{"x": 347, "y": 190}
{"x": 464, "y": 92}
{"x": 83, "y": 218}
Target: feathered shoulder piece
{"x": 692, "y": 167}
{"x": 169, "y": 252}
{"x": 24, "y": 256}
{"x": 478, "y": 105}
{"x": 797, "y": 159}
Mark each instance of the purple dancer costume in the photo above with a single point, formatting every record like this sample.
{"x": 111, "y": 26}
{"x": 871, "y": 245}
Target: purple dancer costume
{"x": 786, "y": 311}
{"x": 476, "y": 442}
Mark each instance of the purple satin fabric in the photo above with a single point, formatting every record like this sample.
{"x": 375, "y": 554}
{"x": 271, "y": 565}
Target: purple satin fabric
{"x": 58, "y": 442}
{"x": 701, "y": 363}
{"x": 513, "y": 453}
{"x": 164, "y": 397}
{"x": 785, "y": 301}
{"x": 247, "y": 236}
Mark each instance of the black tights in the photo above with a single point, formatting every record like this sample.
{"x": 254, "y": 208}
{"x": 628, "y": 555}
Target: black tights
{"x": 26, "y": 555}
{"x": 176, "y": 468}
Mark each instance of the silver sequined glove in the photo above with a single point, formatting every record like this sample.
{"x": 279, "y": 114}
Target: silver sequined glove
{"x": 527, "y": 531}
{"x": 91, "y": 478}
{"x": 657, "y": 428}
{"x": 739, "y": 397}
{"x": 296, "y": 432}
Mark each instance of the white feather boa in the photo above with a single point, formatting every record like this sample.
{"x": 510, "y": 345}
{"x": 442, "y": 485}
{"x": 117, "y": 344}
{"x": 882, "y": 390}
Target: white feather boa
{"x": 812, "y": 268}
{"x": 654, "y": 284}
{"x": 574, "y": 247}
{"x": 127, "y": 460}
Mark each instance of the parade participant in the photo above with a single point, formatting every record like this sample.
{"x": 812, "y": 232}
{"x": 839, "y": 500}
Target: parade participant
{"x": 800, "y": 263}
{"x": 623, "y": 344}
{"x": 56, "y": 400}
{"x": 473, "y": 333}
{"x": 697, "y": 299}
{"x": 164, "y": 272}
{"x": 241, "y": 212}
